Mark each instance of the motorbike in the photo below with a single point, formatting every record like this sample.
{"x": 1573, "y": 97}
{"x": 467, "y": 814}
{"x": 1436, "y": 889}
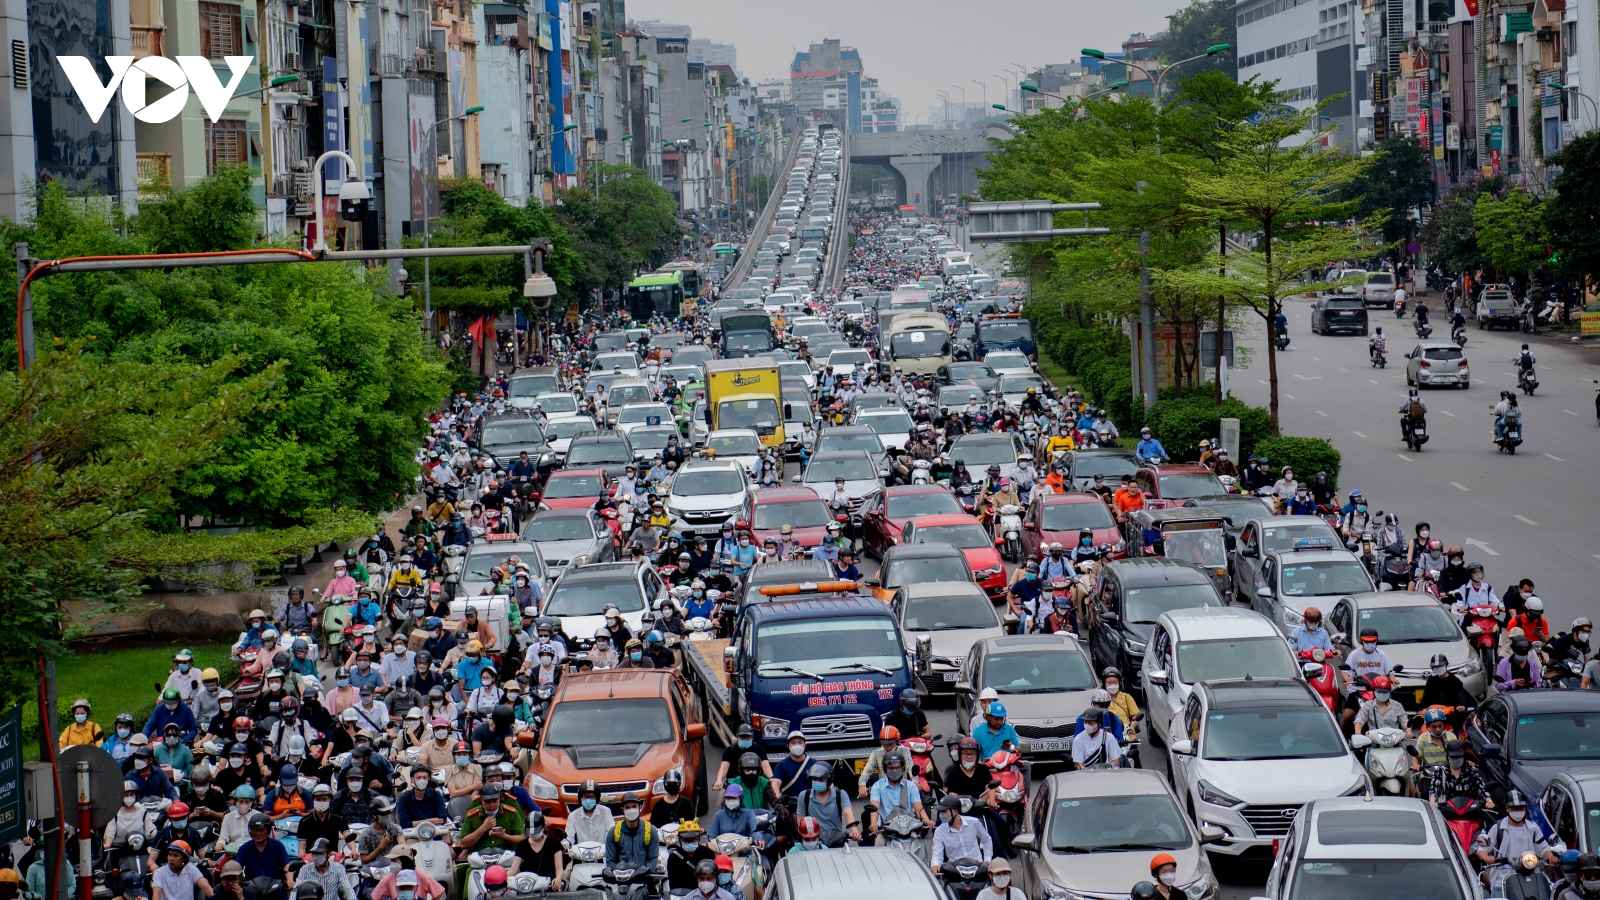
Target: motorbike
{"x": 1010, "y": 531}
{"x": 266, "y": 887}
{"x": 1326, "y": 681}
{"x": 588, "y": 862}
{"x": 287, "y": 830}
{"x": 741, "y": 849}
{"x": 129, "y": 863}
{"x": 1380, "y": 358}
{"x": 335, "y": 619}
{"x": 920, "y": 750}
{"x": 630, "y": 882}
{"x": 968, "y": 495}
{"x": 1564, "y": 674}
{"x": 1387, "y": 763}
{"x": 1417, "y": 434}
{"x": 1525, "y": 881}
{"x": 921, "y": 472}
{"x": 1012, "y": 791}
{"x": 1427, "y": 582}
{"x": 1510, "y": 438}
{"x": 1459, "y": 335}
{"x": 1424, "y": 330}
{"x": 1527, "y": 381}
{"x": 431, "y": 845}
{"x": 453, "y": 560}
{"x": 478, "y": 862}
{"x": 904, "y": 832}
{"x": 1483, "y": 630}
{"x": 1399, "y": 308}
{"x": 964, "y": 878}
{"x": 1464, "y": 816}
{"x": 1282, "y": 340}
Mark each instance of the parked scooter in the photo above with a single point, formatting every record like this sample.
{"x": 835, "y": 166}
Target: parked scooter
{"x": 1387, "y": 762}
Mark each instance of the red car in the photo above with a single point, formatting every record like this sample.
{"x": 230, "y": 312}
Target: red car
{"x": 964, "y": 532}
{"x": 1170, "y": 485}
{"x": 574, "y": 488}
{"x": 1057, "y": 518}
{"x": 885, "y": 516}
{"x": 768, "y": 510}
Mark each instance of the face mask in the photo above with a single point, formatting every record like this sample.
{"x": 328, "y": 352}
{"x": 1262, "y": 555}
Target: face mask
{"x": 969, "y": 764}
{"x": 745, "y": 745}
{"x": 744, "y": 543}
{"x": 463, "y": 760}
{"x": 244, "y": 809}
{"x": 421, "y": 784}
{"x": 183, "y": 667}
{"x": 636, "y": 655}
{"x": 200, "y": 789}
{"x": 1423, "y": 533}
{"x": 797, "y": 750}
{"x": 130, "y": 800}
{"x": 236, "y": 762}
{"x": 364, "y": 665}
{"x": 124, "y": 733}
{"x": 589, "y": 804}
{"x": 343, "y": 682}
{"x": 1002, "y": 881}
{"x": 320, "y": 806}
{"x": 1032, "y": 577}
{"x": 408, "y": 895}
{"x": 225, "y": 705}
{"x": 354, "y": 786}
{"x": 172, "y": 740}
{"x": 732, "y": 803}
{"x": 1093, "y": 728}
{"x": 213, "y": 688}
{"x": 820, "y": 787}
{"x": 707, "y": 887}
{"x": 1591, "y": 885}
{"x": 80, "y": 718}
{"x": 1440, "y": 671}
{"x": 896, "y": 775}
{"x": 1383, "y": 696}
{"x": 631, "y": 814}
{"x": 1169, "y": 878}
{"x": 1369, "y": 646}
{"x": 1521, "y": 657}
{"x": 944, "y": 816}
{"x": 1517, "y": 815}
{"x": 1113, "y": 689}
{"x": 241, "y": 736}
{"x": 171, "y": 704}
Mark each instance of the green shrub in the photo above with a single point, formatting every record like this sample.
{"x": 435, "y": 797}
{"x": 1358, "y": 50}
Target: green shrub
{"x": 1181, "y": 423}
{"x": 1306, "y": 455}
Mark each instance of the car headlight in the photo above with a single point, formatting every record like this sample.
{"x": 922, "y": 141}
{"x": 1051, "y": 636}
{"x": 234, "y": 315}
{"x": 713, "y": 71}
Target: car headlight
{"x": 582, "y": 559}
{"x": 1471, "y": 666}
{"x": 776, "y": 729}
{"x": 1057, "y": 892}
{"x": 992, "y": 571}
{"x": 1292, "y": 618}
{"x": 1357, "y": 789}
{"x": 542, "y": 789}
{"x": 1203, "y": 886}
{"x": 546, "y": 459}
{"x": 1120, "y": 547}
{"x": 1209, "y": 793}
{"x": 1133, "y": 646}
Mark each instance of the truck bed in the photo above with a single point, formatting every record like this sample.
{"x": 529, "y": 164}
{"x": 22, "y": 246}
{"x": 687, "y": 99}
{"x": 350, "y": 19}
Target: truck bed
{"x": 711, "y": 680}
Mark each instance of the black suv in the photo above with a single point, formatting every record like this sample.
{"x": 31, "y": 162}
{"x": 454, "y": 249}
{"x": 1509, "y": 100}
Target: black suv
{"x": 607, "y": 450}
{"x": 1132, "y": 594}
{"x": 504, "y": 437}
{"x": 1338, "y": 313}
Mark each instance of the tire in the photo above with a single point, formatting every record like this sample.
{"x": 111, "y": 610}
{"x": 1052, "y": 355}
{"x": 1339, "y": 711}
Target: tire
{"x": 702, "y": 786}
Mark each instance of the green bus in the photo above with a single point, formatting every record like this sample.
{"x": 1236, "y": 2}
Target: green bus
{"x": 659, "y": 293}
{"x": 691, "y": 275}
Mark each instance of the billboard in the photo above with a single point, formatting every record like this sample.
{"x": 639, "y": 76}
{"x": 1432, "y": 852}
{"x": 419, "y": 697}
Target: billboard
{"x": 424, "y": 158}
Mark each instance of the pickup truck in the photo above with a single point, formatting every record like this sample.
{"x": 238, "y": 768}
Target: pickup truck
{"x": 1497, "y": 306}
{"x": 812, "y": 658}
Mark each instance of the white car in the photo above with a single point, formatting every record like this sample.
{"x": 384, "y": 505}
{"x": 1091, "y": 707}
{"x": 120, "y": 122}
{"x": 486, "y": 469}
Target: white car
{"x": 742, "y": 445}
{"x": 798, "y": 370}
{"x": 628, "y": 363}
{"x": 681, "y": 374}
{"x": 706, "y": 494}
{"x": 892, "y": 426}
{"x": 560, "y": 432}
{"x": 1008, "y": 361}
{"x": 849, "y": 361}
{"x": 636, "y": 415}
{"x": 561, "y": 405}
{"x": 1013, "y": 386}
{"x": 649, "y": 441}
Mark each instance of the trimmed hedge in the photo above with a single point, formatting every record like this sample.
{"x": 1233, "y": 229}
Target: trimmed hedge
{"x": 1181, "y": 423}
{"x": 1100, "y": 363}
{"x": 1307, "y": 455}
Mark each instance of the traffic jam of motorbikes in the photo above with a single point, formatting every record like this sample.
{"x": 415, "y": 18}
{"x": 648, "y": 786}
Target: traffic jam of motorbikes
{"x": 686, "y": 592}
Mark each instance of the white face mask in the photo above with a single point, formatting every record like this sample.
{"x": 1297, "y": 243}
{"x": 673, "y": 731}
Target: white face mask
{"x": 731, "y": 803}
{"x": 320, "y": 805}
{"x": 1169, "y": 878}
{"x": 631, "y": 814}
{"x": 130, "y": 800}
{"x": 797, "y": 750}
{"x": 1517, "y": 815}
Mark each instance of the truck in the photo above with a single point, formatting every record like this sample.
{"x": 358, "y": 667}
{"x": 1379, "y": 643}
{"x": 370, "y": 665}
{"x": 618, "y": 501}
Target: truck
{"x": 814, "y": 658}
{"x": 955, "y": 263}
{"x": 746, "y": 393}
{"x": 1497, "y": 306}
{"x": 917, "y": 342}
{"x": 1005, "y": 331}
{"x": 746, "y": 332}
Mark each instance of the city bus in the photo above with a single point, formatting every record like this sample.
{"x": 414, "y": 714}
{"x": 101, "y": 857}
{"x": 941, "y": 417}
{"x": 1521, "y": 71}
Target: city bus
{"x": 692, "y": 282}
{"x": 656, "y": 294}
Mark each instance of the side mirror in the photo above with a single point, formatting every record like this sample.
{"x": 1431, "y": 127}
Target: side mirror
{"x": 1025, "y": 842}
{"x": 695, "y": 731}
{"x": 527, "y": 739}
{"x": 1340, "y": 637}
{"x": 1248, "y": 551}
{"x": 1489, "y": 751}
{"x": 1010, "y": 619}
{"x": 872, "y": 582}
{"x": 1183, "y": 748}
{"x": 1264, "y": 592}
{"x": 963, "y": 687}
{"x": 1031, "y": 526}
{"x": 796, "y": 479}
{"x": 1159, "y": 679}
{"x": 1109, "y": 617}
{"x": 742, "y": 526}
{"x": 1211, "y": 834}
{"x": 1312, "y": 670}
{"x": 729, "y": 654}
{"x": 1360, "y": 742}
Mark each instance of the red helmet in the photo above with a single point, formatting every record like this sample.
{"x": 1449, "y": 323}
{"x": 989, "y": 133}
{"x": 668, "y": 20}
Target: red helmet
{"x": 494, "y": 876}
{"x": 243, "y": 722}
{"x": 1312, "y": 614}
{"x": 1435, "y": 545}
{"x": 1456, "y": 551}
{"x": 809, "y": 829}
{"x": 1382, "y": 683}
{"x": 889, "y": 733}
{"x": 177, "y": 810}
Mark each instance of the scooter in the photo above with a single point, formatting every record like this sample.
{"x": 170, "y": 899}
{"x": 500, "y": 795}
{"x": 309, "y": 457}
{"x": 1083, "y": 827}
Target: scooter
{"x": 1417, "y": 434}
{"x": 1424, "y": 330}
{"x": 1564, "y": 675}
{"x": 1483, "y": 631}
{"x": 1325, "y": 682}
{"x": 629, "y": 882}
{"x": 1379, "y": 358}
{"x": 967, "y": 494}
{"x": 1510, "y": 438}
{"x": 1459, "y": 335}
{"x": 1011, "y": 531}
{"x": 964, "y": 878}
{"x": 1526, "y": 882}
{"x": 904, "y": 832}
{"x": 1005, "y": 767}
{"x": 1527, "y": 381}
{"x": 335, "y": 618}
{"x": 431, "y": 845}
{"x": 740, "y": 849}
{"x": 479, "y": 861}
{"x": 455, "y": 559}
{"x": 921, "y": 472}
{"x": 1399, "y": 308}
{"x": 588, "y": 865}
{"x": 1464, "y": 817}
{"x": 1282, "y": 340}
{"x": 921, "y": 751}
{"x": 1387, "y": 763}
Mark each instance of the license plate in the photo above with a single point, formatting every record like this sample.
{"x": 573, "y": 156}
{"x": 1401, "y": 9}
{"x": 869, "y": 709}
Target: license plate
{"x": 952, "y": 677}
{"x": 860, "y": 764}
{"x": 1049, "y": 746}
{"x": 1419, "y": 695}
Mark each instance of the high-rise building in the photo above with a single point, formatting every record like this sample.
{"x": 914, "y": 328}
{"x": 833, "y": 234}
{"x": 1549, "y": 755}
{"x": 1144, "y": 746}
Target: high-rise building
{"x": 825, "y": 66}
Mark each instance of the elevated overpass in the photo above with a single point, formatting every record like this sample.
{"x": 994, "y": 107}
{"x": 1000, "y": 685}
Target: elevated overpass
{"x": 927, "y": 163}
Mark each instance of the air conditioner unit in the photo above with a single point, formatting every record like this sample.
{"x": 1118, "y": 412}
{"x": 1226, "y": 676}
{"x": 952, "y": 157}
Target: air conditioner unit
{"x": 291, "y": 113}
{"x": 291, "y": 60}
{"x": 1545, "y": 35}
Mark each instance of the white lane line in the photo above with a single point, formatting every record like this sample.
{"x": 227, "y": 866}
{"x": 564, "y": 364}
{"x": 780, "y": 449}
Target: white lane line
{"x": 1481, "y": 546}
{"x": 1263, "y": 382}
{"x": 1359, "y": 434}
{"x": 1554, "y": 457}
{"x": 1344, "y": 370}
{"x": 1322, "y": 414}
{"x": 1457, "y": 484}
{"x": 1569, "y": 412}
{"x": 1317, "y": 358}
{"x": 1290, "y": 396}
{"x": 1448, "y": 413}
{"x": 1405, "y": 457}
{"x": 1525, "y": 520}
{"x": 1370, "y": 381}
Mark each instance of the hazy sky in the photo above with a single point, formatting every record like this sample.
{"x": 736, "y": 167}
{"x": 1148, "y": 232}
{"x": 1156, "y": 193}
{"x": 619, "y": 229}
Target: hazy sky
{"x": 916, "y": 47}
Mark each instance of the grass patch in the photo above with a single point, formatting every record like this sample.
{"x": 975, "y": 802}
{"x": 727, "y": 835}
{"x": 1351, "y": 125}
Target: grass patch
{"x": 1057, "y": 376}
{"x": 119, "y": 680}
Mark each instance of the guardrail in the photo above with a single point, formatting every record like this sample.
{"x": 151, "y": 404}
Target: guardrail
{"x": 839, "y": 244}
{"x": 769, "y": 213}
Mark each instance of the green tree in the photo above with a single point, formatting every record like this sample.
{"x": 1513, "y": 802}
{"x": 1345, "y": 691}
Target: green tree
{"x": 1198, "y": 26}
{"x": 629, "y": 224}
{"x": 214, "y": 214}
{"x": 1570, "y": 211}
{"x": 1512, "y": 234}
{"x": 1398, "y": 178}
{"x": 1449, "y": 235}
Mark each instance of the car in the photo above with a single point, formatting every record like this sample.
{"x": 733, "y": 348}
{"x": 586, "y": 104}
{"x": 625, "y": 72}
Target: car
{"x": 1267, "y": 533}
{"x": 626, "y": 362}
{"x": 918, "y": 563}
{"x": 1237, "y": 509}
{"x": 635, "y": 415}
{"x": 1378, "y": 290}
{"x": 607, "y": 450}
{"x": 575, "y": 488}
{"x": 1246, "y": 753}
{"x": 484, "y": 556}
{"x": 980, "y": 450}
{"x": 942, "y": 620}
{"x": 1412, "y": 627}
{"x": 766, "y": 511}
{"x": 1004, "y": 362}
{"x": 976, "y": 374}
{"x": 740, "y": 445}
{"x": 625, "y": 728}
{"x": 873, "y": 400}
{"x": 963, "y": 531}
{"x": 1433, "y": 363}
{"x": 580, "y": 596}
{"x": 650, "y": 441}
{"x": 799, "y": 371}
{"x": 1170, "y": 485}
{"x": 560, "y": 432}
{"x": 884, "y": 519}
{"x": 955, "y": 397}
{"x": 1522, "y": 739}
{"x": 1045, "y": 682}
{"x": 891, "y": 424}
{"x": 1014, "y": 387}
{"x": 692, "y": 355}
{"x": 1130, "y": 595}
{"x": 863, "y": 479}
{"x": 612, "y": 341}
{"x": 889, "y": 873}
{"x": 1108, "y": 462}
{"x": 1189, "y": 646}
{"x": 681, "y": 374}
{"x": 706, "y": 494}
{"x": 625, "y": 392}
{"x": 1059, "y": 518}
{"x": 570, "y": 537}
{"x": 1100, "y": 829}
{"x": 505, "y": 437}
{"x": 557, "y": 405}
{"x": 1312, "y": 574}
{"x": 528, "y": 384}
{"x": 1352, "y": 847}
{"x": 1564, "y": 807}
{"x": 1335, "y": 313}
{"x": 849, "y": 361}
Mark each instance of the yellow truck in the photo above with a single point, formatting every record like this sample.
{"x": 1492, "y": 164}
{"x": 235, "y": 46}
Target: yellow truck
{"x": 745, "y": 393}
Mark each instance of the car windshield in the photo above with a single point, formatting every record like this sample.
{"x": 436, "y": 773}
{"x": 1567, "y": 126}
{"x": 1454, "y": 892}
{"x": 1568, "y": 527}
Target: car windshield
{"x": 670, "y": 341}
{"x": 1073, "y": 516}
{"x": 850, "y": 468}
{"x": 612, "y": 341}
{"x": 1110, "y": 465}
{"x": 749, "y": 341}
{"x": 648, "y": 438}
{"x": 624, "y": 394}
{"x": 706, "y": 482}
{"x": 1013, "y": 330}
{"x": 1363, "y": 879}
{"x": 1196, "y": 484}
{"x": 478, "y": 564}
{"x": 1283, "y": 537}
{"x": 588, "y": 597}
{"x": 558, "y": 528}
{"x": 599, "y": 452}
{"x": 1264, "y": 657}
{"x": 949, "y": 613}
{"x": 902, "y": 572}
{"x": 927, "y": 503}
{"x": 849, "y": 358}
{"x": 598, "y": 723}
{"x": 1037, "y": 672}
{"x": 798, "y": 513}
{"x": 568, "y": 428}
{"x": 692, "y": 355}
{"x": 887, "y": 423}
{"x": 1017, "y": 384}
{"x": 1318, "y": 579}
{"x": 558, "y": 403}
{"x": 1012, "y": 361}
{"x": 734, "y": 444}
{"x": 955, "y": 396}
{"x": 760, "y": 414}
{"x": 919, "y": 344}
{"x": 828, "y": 645}
{"x": 632, "y": 414}
{"x": 966, "y": 535}
{"x": 1246, "y": 734}
{"x": 796, "y": 370}
{"x": 964, "y": 371}
{"x": 979, "y": 454}
{"x": 1146, "y": 604}
{"x": 564, "y": 487}
{"x": 605, "y": 362}
{"x": 1204, "y": 548}
{"x": 1558, "y": 736}
{"x": 533, "y": 385}
{"x": 498, "y": 434}
{"x": 1411, "y": 624}
{"x": 1141, "y": 822}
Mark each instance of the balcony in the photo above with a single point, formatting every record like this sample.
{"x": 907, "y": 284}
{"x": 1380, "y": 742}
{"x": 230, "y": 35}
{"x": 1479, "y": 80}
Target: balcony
{"x": 154, "y": 172}
{"x": 149, "y": 40}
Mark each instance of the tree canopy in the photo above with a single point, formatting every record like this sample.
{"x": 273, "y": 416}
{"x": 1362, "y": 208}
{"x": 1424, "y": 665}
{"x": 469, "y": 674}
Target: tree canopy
{"x": 628, "y": 224}
{"x": 1201, "y": 25}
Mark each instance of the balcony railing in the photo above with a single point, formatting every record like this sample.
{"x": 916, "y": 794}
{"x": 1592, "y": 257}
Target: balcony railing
{"x": 154, "y": 171}
{"x": 149, "y": 40}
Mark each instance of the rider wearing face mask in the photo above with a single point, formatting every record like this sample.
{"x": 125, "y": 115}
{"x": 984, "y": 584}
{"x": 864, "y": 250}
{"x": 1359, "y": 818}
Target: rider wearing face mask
{"x": 1587, "y": 885}
{"x": 1509, "y": 838}
{"x": 1000, "y": 887}
{"x": 321, "y": 822}
{"x": 319, "y": 872}
{"x": 592, "y": 820}
{"x": 172, "y": 709}
{"x": 732, "y": 817}
{"x": 1444, "y": 687}
{"x": 80, "y": 730}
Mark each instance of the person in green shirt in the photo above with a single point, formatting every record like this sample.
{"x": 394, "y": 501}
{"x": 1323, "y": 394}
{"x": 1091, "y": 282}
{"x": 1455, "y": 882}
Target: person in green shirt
{"x": 358, "y": 569}
{"x": 493, "y": 824}
{"x": 758, "y": 790}
{"x": 174, "y": 755}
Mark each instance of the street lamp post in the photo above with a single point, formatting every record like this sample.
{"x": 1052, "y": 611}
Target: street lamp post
{"x": 1565, "y": 87}
{"x": 599, "y": 171}
{"x": 427, "y": 268}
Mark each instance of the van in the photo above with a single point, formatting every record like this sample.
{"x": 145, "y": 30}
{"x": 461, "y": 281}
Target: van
{"x": 1378, "y": 289}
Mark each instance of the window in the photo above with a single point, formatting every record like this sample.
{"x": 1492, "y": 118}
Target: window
{"x": 227, "y": 143}
{"x": 221, "y": 30}
{"x": 1493, "y": 721}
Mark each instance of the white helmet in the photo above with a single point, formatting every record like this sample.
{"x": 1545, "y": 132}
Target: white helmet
{"x": 1535, "y": 604}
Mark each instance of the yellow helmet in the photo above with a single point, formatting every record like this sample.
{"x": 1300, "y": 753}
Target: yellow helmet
{"x": 210, "y": 674}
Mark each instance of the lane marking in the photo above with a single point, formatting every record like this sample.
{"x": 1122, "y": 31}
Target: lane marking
{"x": 1405, "y": 457}
{"x": 1458, "y": 484}
{"x": 1482, "y": 546}
{"x": 1359, "y": 434}
{"x": 1554, "y": 457}
{"x": 1290, "y": 396}
{"x": 1370, "y": 381}
{"x": 1317, "y": 358}
{"x": 1322, "y": 414}
{"x": 1263, "y": 382}
{"x": 1525, "y": 520}
{"x": 1569, "y": 412}
{"x": 1448, "y": 413}
{"x": 1344, "y": 370}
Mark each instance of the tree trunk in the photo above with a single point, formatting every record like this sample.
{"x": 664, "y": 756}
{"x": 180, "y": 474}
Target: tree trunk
{"x": 1272, "y": 337}
{"x": 1222, "y": 311}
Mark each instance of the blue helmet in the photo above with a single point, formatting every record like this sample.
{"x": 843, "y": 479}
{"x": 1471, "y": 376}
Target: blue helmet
{"x": 1431, "y": 716}
{"x": 996, "y": 709}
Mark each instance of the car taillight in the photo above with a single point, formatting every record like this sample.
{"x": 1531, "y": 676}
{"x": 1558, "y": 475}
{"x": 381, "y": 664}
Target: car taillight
{"x": 1462, "y": 363}
{"x": 1425, "y": 364}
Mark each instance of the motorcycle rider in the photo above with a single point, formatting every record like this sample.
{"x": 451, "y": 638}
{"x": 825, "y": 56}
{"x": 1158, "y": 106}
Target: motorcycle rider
{"x": 1377, "y": 344}
{"x": 1148, "y": 447}
{"x": 895, "y": 792}
{"x": 1444, "y": 687}
{"x": 1474, "y": 593}
{"x": 1421, "y": 319}
{"x": 632, "y": 841}
{"x": 1382, "y": 711}
{"x": 1095, "y": 744}
{"x": 1454, "y": 575}
{"x": 1458, "y": 777}
{"x": 958, "y": 836}
{"x": 1413, "y": 412}
{"x": 1524, "y": 363}
{"x": 1505, "y": 841}
{"x": 1430, "y": 744}
{"x": 1587, "y": 883}
{"x": 1518, "y": 671}
{"x": 828, "y": 805}
{"x": 683, "y": 859}
{"x": 1535, "y": 627}
{"x": 908, "y": 718}
{"x": 1310, "y": 635}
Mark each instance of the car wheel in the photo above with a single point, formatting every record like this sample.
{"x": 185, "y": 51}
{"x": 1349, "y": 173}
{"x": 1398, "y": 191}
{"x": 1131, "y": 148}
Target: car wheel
{"x": 702, "y": 786}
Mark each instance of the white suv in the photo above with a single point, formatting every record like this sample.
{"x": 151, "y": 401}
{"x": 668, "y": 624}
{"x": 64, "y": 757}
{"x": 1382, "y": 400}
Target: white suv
{"x": 1390, "y": 846}
{"x": 706, "y": 494}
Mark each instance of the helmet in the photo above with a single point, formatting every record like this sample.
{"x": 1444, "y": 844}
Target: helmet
{"x": 1514, "y": 798}
{"x": 1161, "y": 859}
{"x": 1100, "y": 696}
{"x": 1474, "y": 566}
{"x": 494, "y": 876}
{"x": 968, "y": 743}
{"x": 1534, "y": 604}
{"x": 1455, "y": 550}
{"x": 911, "y": 698}
{"x": 1144, "y": 890}
{"x": 308, "y": 890}
{"x": 749, "y": 761}
{"x": 1439, "y": 659}
{"x": 996, "y": 709}
{"x": 177, "y": 810}
{"x": 1312, "y": 614}
{"x": 180, "y": 846}
{"x": 210, "y": 674}
{"x": 1110, "y": 672}
{"x": 894, "y": 758}
{"x": 706, "y": 867}
{"x": 821, "y": 772}
{"x": 889, "y": 733}
{"x": 244, "y": 792}
{"x": 1435, "y": 545}
{"x": 809, "y": 829}
{"x": 1382, "y": 683}
{"x": 1432, "y": 715}
{"x": 1521, "y": 646}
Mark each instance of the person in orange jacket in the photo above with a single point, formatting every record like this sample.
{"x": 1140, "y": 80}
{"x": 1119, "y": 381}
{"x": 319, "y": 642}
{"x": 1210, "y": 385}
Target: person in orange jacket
{"x": 1128, "y": 497}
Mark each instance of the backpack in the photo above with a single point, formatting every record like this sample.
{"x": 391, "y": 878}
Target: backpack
{"x": 616, "y": 831}
{"x": 1415, "y": 411}
{"x": 1513, "y": 413}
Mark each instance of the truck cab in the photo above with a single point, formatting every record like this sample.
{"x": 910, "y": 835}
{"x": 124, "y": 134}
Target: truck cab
{"x": 1004, "y": 331}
